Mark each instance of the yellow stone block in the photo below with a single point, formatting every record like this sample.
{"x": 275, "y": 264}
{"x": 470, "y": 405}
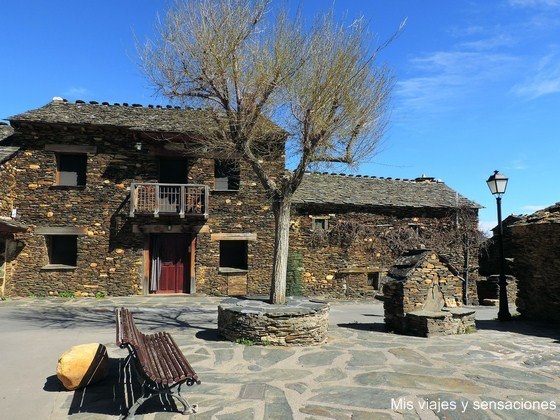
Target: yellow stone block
{"x": 32, "y": 186}
{"x": 50, "y": 214}
{"x": 93, "y": 265}
{"x": 119, "y": 251}
{"x": 329, "y": 277}
{"x": 34, "y": 166}
{"x": 83, "y": 365}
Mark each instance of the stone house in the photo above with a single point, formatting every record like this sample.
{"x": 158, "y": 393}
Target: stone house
{"x": 536, "y": 263}
{"x": 350, "y": 229}
{"x": 108, "y": 209}
{"x": 108, "y": 199}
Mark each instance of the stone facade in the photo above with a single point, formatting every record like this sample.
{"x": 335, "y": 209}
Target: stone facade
{"x": 112, "y": 247}
{"x": 123, "y": 147}
{"x": 536, "y": 247}
{"x": 355, "y": 268}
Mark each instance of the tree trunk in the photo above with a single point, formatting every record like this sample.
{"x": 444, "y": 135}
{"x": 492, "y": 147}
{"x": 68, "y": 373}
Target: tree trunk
{"x": 281, "y": 210}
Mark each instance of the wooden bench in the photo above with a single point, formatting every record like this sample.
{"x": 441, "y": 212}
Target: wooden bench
{"x": 159, "y": 364}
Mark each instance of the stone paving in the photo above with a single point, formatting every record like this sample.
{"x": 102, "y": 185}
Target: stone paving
{"x": 504, "y": 371}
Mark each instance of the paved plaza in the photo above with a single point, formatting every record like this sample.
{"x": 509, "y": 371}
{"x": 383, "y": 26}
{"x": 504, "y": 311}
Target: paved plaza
{"x": 504, "y": 371}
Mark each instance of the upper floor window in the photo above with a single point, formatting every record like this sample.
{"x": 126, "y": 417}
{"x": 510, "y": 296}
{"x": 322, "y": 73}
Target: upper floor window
{"x": 71, "y": 163}
{"x": 71, "y": 169}
{"x": 320, "y": 223}
{"x": 226, "y": 175}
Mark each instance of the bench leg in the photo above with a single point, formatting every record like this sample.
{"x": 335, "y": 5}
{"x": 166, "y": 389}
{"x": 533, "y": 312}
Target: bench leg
{"x": 188, "y": 408}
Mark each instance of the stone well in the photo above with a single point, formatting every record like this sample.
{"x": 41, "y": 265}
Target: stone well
{"x": 298, "y": 322}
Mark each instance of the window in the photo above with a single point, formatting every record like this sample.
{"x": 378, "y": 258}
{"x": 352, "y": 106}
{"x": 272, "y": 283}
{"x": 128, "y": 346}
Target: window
{"x": 227, "y": 175}
{"x": 233, "y": 255}
{"x": 374, "y": 280}
{"x": 71, "y": 169}
{"x": 63, "y": 250}
{"x": 320, "y": 223}
{"x": 173, "y": 171}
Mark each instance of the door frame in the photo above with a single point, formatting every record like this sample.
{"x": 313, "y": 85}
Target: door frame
{"x": 146, "y": 266}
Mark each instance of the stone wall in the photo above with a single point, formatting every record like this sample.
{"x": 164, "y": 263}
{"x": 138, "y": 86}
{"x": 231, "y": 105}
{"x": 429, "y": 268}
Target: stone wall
{"x": 7, "y": 188}
{"x": 111, "y": 258}
{"x": 536, "y": 250}
{"x": 299, "y": 322}
{"x": 341, "y": 270}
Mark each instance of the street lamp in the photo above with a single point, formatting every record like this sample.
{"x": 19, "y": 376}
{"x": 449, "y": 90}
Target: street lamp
{"x": 497, "y": 184}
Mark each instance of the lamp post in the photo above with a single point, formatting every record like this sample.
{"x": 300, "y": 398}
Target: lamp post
{"x": 497, "y": 184}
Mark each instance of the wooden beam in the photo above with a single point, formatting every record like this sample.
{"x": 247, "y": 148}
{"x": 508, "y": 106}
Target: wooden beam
{"x": 233, "y": 237}
{"x": 70, "y": 148}
{"x": 64, "y": 230}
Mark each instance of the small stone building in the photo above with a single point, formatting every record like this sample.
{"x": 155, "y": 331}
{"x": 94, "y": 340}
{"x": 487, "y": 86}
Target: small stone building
{"x": 421, "y": 292}
{"x": 536, "y": 262}
{"x": 348, "y": 230}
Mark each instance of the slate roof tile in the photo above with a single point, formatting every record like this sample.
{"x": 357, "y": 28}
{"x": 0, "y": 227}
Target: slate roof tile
{"x": 333, "y": 189}
{"x": 135, "y": 117}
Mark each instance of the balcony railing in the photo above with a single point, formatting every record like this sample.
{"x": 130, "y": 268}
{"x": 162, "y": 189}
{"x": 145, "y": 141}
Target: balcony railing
{"x": 168, "y": 199}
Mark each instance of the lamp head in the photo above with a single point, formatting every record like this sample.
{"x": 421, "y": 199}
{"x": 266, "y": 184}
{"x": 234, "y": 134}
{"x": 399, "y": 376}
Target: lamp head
{"x": 497, "y": 183}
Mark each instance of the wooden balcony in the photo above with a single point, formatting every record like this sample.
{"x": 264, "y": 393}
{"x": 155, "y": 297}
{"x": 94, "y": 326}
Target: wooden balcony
{"x": 183, "y": 200}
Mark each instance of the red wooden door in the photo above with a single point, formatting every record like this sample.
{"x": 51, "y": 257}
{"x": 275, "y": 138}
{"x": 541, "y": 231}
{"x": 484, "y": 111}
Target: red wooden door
{"x": 175, "y": 263}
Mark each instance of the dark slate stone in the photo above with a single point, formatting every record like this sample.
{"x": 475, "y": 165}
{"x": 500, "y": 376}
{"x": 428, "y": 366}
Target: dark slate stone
{"x": 376, "y": 192}
{"x": 517, "y": 385}
{"x": 135, "y": 117}
{"x": 277, "y": 406}
{"x": 516, "y": 374}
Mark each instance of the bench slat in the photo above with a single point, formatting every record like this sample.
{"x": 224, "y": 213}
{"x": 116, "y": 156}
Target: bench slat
{"x": 187, "y": 368}
{"x": 174, "y": 366}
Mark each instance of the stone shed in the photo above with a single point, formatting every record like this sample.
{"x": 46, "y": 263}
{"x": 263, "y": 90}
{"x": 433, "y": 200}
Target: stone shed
{"x": 421, "y": 294}
{"x": 536, "y": 252}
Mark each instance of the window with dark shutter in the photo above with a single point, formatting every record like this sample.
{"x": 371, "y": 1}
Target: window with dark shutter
{"x": 226, "y": 175}
{"x": 63, "y": 250}
{"x": 233, "y": 255}
{"x": 71, "y": 169}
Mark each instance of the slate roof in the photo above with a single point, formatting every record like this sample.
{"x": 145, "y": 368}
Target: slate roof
{"x": 406, "y": 263}
{"x": 365, "y": 191}
{"x": 550, "y": 214}
{"x": 6, "y": 152}
{"x": 11, "y": 225}
{"x": 5, "y": 131}
{"x": 169, "y": 119}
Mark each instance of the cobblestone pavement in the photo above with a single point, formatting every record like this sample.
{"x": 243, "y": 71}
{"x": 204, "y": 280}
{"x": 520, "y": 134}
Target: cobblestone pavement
{"x": 504, "y": 371}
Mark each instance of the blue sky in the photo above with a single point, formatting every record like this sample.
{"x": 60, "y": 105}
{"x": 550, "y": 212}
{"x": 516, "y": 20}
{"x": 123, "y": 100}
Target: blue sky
{"x": 477, "y": 82}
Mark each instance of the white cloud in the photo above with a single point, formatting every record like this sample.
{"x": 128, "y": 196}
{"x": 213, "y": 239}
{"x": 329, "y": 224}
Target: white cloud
{"x": 447, "y": 76}
{"x": 518, "y": 165}
{"x": 486, "y": 226}
{"x": 77, "y": 92}
{"x": 544, "y": 81}
{"x": 535, "y": 3}
{"x": 485, "y": 44}
{"x": 532, "y": 208}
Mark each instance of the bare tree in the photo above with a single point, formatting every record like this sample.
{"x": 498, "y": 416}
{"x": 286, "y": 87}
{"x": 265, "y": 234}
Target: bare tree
{"x": 252, "y": 64}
